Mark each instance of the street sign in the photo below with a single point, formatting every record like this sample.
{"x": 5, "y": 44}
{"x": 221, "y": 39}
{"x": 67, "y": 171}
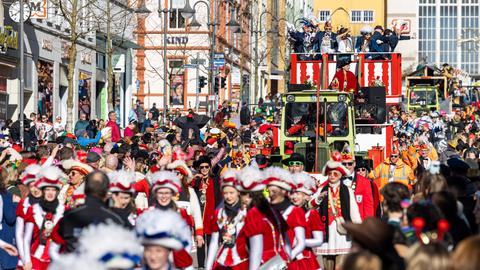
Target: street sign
{"x": 197, "y": 61}
{"x": 189, "y": 66}
{"x": 219, "y": 62}
{"x": 218, "y": 56}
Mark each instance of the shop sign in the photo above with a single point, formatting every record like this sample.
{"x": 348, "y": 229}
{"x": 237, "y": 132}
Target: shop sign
{"x": 65, "y": 49}
{"x": 8, "y": 38}
{"x": 39, "y": 9}
{"x": 177, "y": 40}
{"x": 86, "y": 58}
{"x": 47, "y": 45}
{"x": 3, "y": 105}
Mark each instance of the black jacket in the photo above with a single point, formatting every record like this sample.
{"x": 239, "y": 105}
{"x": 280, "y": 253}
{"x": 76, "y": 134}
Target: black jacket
{"x": 75, "y": 220}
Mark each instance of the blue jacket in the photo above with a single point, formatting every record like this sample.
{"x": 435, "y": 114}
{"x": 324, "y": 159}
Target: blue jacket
{"x": 7, "y": 233}
{"x": 82, "y": 141}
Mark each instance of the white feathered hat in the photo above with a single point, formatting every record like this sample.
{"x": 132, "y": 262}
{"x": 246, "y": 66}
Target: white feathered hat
{"x": 366, "y": 29}
{"x": 30, "y": 174}
{"x": 75, "y": 262}
{"x": 163, "y": 228}
{"x": 250, "y": 179}
{"x": 50, "y": 176}
{"x": 276, "y": 176}
{"x": 111, "y": 244}
{"x": 229, "y": 178}
{"x": 304, "y": 183}
{"x": 181, "y": 167}
{"x": 165, "y": 179}
{"x": 122, "y": 181}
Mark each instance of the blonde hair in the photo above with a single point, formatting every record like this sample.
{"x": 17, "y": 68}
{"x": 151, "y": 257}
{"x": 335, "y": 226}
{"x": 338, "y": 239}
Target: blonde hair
{"x": 467, "y": 254}
{"x": 362, "y": 260}
{"x": 433, "y": 256}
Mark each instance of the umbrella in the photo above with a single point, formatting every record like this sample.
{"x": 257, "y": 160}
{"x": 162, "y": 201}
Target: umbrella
{"x": 200, "y": 120}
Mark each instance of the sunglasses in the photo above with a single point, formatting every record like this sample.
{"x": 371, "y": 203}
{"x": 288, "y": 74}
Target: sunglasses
{"x": 361, "y": 170}
{"x": 295, "y": 163}
{"x": 393, "y": 156}
{"x": 334, "y": 173}
{"x": 347, "y": 163}
{"x": 204, "y": 167}
{"x": 73, "y": 173}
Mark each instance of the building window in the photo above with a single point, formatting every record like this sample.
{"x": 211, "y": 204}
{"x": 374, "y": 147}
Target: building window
{"x": 176, "y": 19}
{"x": 427, "y": 34}
{"x": 100, "y": 61}
{"x": 323, "y": 15}
{"x": 368, "y": 16}
{"x": 356, "y": 15}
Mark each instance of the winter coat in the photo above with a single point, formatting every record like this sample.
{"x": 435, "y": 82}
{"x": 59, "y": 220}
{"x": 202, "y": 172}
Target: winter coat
{"x": 7, "y": 233}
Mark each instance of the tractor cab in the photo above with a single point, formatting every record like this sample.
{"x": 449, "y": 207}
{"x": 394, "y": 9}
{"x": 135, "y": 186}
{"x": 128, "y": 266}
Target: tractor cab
{"x": 316, "y": 123}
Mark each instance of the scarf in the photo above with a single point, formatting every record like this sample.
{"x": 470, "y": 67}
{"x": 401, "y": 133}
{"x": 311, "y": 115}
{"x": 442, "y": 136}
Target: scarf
{"x": 280, "y": 207}
{"x": 231, "y": 210}
{"x": 33, "y": 200}
{"x": 49, "y": 207}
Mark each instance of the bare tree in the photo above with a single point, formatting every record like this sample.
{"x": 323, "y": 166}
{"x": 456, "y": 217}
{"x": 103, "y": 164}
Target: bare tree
{"x": 115, "y": 20}
{"x": 77, "y": 16}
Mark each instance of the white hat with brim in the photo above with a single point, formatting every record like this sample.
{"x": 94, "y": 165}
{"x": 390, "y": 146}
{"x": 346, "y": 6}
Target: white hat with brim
{"x": 335, "y": 166}
{"x": 121, "y": 181}
{"x": 71, "y": 164}
{"x": 250, "y": 179}
{"x": 50, "y": 177}
{"x": 165, "y": 179}
{"x": 276, "y": 176}
{"x": 304, "y": 183}
{"x": 163, "y": 228}
{"x": 30, "y": 174}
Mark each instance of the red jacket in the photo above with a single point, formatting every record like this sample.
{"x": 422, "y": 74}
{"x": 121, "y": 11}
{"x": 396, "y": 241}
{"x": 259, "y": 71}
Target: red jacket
{"x": 338, "y": 82}
{"x": 363, "y": 196}
{"x": 115, "y": 131}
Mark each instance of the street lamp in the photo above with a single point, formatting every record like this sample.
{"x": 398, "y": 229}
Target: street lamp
{"x": 233, "y": 24}
{"x": 187, "y": 11}
{"x": 142, "y": 11}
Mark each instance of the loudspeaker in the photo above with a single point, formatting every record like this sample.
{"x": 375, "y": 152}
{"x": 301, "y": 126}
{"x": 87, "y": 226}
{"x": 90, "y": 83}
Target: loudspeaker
{"x": 377, "y": 96}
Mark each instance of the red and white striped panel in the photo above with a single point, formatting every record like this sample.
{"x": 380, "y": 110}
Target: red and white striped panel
{"x": 380, "y": 70}
{"x": 306, "y": 71}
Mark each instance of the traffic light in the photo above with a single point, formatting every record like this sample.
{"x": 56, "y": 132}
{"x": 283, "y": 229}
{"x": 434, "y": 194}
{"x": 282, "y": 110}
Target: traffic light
{"x": 222, "y": 82}
{"x": 202, "y": 81}
{"x": 216, "y": 86}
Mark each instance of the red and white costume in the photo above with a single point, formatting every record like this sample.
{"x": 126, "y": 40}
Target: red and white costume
{"x": 29, "y": 176}
{"x": 167, "y": 179}
{"x": 224, "y": 252}
{"x": 261, "y": 231}
{"x": 314, "y": 229}
{"x": 39, "y": 223}
{"x": 293, "y": 215}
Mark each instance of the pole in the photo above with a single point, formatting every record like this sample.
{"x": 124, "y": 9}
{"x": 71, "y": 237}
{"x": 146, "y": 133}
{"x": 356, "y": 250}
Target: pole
{"x": 198, "y": 85}
{"x": 256, "y": 64}
{"x": 166, "y": 11}
{"x": 210, "y": 108}
{"x": 22, "y": 85}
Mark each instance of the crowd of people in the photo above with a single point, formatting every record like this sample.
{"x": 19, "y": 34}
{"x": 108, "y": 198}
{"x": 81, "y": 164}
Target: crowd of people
{"x": 185, "y": 194}
{"x": 312, "y": 42}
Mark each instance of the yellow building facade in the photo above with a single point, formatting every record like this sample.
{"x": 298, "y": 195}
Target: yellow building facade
{"x": 353, "y": 14}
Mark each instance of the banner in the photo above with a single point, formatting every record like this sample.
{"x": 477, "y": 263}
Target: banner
{"x": 176, "y": 89}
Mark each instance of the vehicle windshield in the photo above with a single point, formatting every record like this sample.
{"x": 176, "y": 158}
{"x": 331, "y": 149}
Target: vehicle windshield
{"x": 423, "y": 98}
{"x": 300, "y": 119}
